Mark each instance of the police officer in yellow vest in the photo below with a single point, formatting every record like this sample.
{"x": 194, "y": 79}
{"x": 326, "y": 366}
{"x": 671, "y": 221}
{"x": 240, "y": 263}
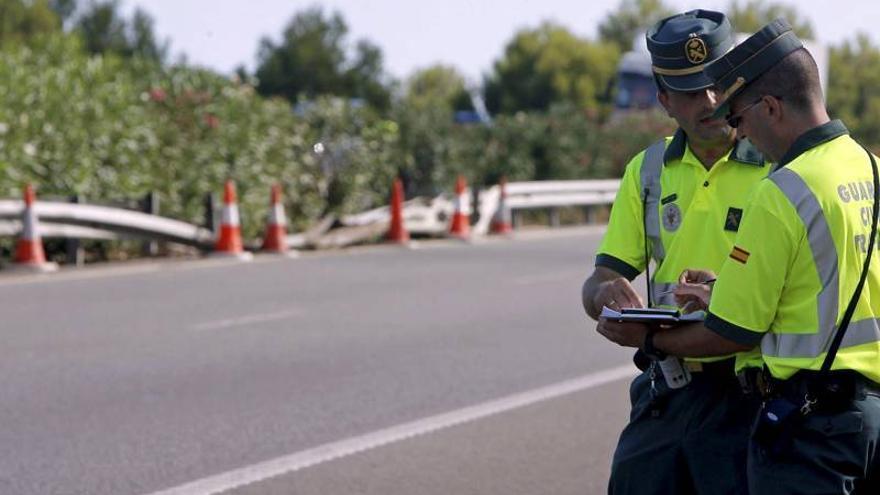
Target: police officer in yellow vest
{"x": 802, "y": 281}
{"x": 680, "y": 202}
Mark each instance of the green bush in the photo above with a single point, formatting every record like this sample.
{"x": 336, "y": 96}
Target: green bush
{"x": 562, "y": 144}
{"x": 110, "y": 128}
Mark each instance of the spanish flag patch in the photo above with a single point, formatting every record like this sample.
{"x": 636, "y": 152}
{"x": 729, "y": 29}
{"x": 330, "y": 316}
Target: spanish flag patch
{"x": 739, "y": 254}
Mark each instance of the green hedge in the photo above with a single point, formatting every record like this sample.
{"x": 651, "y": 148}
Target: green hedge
{"x": 109, "y": 128}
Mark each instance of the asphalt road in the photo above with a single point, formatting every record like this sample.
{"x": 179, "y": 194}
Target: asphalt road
{"x": 151, "y": 378}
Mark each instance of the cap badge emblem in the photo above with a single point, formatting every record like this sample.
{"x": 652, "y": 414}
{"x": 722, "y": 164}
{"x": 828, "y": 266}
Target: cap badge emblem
{"x": 696, "y": 51}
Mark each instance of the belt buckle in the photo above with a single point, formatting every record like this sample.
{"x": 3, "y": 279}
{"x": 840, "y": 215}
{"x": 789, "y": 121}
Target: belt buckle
{"x": 694, "y": 366}
{"x": 752, "y": 381}
{"x": 762, "y": 384}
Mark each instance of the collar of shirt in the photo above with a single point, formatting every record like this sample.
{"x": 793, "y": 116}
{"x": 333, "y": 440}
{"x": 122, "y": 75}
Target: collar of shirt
{"x": 812, "y": 138}
{"x": 743, "y": 151}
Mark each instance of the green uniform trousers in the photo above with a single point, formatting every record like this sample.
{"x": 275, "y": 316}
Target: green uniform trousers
{"x": 826, "y": 454}
{"x": 695, "y": 442}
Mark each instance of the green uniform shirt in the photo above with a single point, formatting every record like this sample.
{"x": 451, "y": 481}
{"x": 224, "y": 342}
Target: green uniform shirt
{"x": 798, "y": 258}
{"x": 699, "y": 212}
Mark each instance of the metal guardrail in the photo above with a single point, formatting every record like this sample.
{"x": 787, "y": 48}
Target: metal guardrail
{"x": 422, "y": 216}
{"x": 545, "y": 194}
{"x": 102, "y": 222}
{"x": 430, "y": 217}
{"x": 49, "y": 230}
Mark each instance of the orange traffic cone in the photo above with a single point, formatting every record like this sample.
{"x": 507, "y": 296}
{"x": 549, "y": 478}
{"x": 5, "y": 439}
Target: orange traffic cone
{"x": 29, "y": 254}
{"x": 501, "y": 220}
{"x": 397, "y": 232}
{"x": 275, "y": 240}
{"x": 229, "y": 243}
{"x": 461, "y": 226}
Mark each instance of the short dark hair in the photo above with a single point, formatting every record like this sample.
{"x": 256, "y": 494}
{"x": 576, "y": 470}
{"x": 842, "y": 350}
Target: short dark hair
{"x": 795, "y": 80}
{"x": 660, "y": 87}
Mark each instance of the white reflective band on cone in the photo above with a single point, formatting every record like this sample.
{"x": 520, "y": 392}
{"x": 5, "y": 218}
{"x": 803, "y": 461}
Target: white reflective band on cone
{"x": 230, "y": 215}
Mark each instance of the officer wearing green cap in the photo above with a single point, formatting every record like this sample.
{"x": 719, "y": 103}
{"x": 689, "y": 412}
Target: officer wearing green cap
{"x": 802, "y": 282}
{"x": 680, "y": 203}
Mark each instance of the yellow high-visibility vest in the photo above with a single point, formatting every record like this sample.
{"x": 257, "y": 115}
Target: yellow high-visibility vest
{"x": 691, "y": 215}
{"x": 798, "y": 258}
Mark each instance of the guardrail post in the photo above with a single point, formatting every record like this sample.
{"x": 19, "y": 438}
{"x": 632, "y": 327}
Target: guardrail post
{"x": 210, "y": 212}
{"x": 590, "y": 214}
{"x": 73, "y": 250}
{"x": 515, "y": 219}
{"x": 150, "y": 205}
{"x": 475, "y": 208}
{"x": 554, "y": 217}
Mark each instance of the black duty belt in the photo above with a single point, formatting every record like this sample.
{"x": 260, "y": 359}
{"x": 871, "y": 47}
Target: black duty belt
{"x": 723, "y": 369}
{"x": 833, "y": 389}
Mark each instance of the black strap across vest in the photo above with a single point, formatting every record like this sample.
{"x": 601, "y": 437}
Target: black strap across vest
{"x": 850, "y": 309}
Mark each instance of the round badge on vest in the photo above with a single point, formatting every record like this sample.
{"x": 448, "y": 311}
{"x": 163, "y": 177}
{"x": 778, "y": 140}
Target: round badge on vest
{"x": 671, "y": 217}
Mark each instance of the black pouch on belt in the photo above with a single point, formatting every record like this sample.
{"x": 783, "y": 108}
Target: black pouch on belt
{"x": 776, "y": 424}
{"x": 835, "y": 391}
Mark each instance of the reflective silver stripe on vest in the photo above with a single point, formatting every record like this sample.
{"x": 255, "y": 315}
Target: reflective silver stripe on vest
{"x": 661, "y": 299}
{"x": 826, "y": 261}
{"x": 652, "y": 165}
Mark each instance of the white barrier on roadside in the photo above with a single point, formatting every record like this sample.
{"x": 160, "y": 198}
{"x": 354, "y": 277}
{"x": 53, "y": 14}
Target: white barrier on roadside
{"x": 48, "y": 230}
{"x": 98, "y": 221}
{"x": 431, "y": 217}
{"x": 546, "y": 194}
{"x": 422, "y": 216}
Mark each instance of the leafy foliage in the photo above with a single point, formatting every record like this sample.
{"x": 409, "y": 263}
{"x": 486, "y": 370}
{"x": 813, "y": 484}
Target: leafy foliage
{"x": 310, "y": 61}
{"x": 22, "y": 21}
{"x": 550, "y": 65}
{"x": 631, "y": 19}
{"x": 563, "y": 143}
{"x": 854, "y": 69}
{"x": 104, "y": 30}
{"x": 102, "y": 115}
{"x": 425, "y": 115}
{"x": 752, "y": 15}
{"x": 110, "y": 128}
{"x": 64, "y": 9}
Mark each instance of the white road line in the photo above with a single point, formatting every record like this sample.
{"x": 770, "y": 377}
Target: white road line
{"x": 245, "y": 320}
{"x": 336, "y": 450}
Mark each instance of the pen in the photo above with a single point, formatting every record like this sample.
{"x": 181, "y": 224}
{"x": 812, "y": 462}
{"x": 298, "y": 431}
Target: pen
{"x": 670, "y": 291}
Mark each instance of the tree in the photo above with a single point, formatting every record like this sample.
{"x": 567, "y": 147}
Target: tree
{"x": 752, "y": 15}
{"x": 310, "y": 60}
{"x": 852, "y": 89}
{"x": 632, "y": 18}
{"x": 104, "y": 30}
{"x": 547, "y": 65}
{"x": 142, "y": 39}
{"x": 438, "y": 86}
{"x": 426, "y": 120}
{"x": 364, "y": 77}
{"x": 64, "y": 9}
{"x": 23, "y": 21}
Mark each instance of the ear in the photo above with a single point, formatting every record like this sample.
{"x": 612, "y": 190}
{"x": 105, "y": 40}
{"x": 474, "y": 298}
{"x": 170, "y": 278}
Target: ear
{"x": 663, "y": 98}
{"x": 774, "y": 107}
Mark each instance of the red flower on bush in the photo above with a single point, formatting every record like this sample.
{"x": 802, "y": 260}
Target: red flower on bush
{"x": 158, "y": 95}
{"x": 211, "y": 120}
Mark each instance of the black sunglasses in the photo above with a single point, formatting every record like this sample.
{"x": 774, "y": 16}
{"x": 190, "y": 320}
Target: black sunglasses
{"x": 735, "y": 119}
